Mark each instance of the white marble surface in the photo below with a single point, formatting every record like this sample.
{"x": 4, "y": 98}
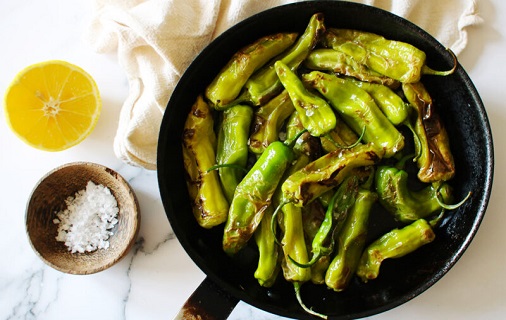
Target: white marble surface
{"x": 155, "y": 279}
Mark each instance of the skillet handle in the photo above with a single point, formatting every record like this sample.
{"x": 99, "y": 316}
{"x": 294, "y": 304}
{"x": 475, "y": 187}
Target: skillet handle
{"x": 207, "y": 302}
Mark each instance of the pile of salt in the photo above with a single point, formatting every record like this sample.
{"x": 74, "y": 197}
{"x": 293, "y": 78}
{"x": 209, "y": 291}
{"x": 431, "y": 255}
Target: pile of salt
{"x": 86, "y": 223}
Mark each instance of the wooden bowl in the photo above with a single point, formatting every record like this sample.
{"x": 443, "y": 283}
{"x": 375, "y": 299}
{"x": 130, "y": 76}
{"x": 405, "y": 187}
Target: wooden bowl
{"x": 48, "y": 197}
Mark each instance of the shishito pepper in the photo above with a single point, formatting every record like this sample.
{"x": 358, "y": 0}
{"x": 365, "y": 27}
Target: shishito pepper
{"x": 394, "y": 244}
{"x": 395, "y": 59}
{"x": 227, "y": 85}
{"x": 404, "y": 204}
{"x": 358, "y": 109}
{"x": 269, "y": 258}
{"x": 351, "y": 242}
{"x": 435, "y": 159}
{"x": 328, "y": 171}
{"x": 268, "y": 120}
{"x": 210, "y": 207}
{"x": 390, "y": 103}
{"x": 325, "y": 59}
{"x": 264, "y": 84}
{"x": 254, "y": 194}
{"x": 232, "y": 148}
{"x": 293, "y": 243}
{"x": 314, "y": 112}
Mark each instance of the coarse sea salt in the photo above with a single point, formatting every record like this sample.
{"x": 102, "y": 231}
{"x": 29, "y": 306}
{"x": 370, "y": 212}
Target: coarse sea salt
{"x": 87, "y": 222}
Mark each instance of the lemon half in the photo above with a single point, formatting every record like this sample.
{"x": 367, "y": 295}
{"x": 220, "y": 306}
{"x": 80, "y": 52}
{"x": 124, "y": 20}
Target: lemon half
{"x": 52, "y": 105}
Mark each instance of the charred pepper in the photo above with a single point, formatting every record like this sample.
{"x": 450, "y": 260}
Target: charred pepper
{"x": 254, "y": 194}
{"x": 351, "y": 242}
{"x": 264, "y": 84}
{"x": 328, "y": 171}
{"x": 293, "y": 243}
{"x": 325, "y": 59}
{"x": 434, "y": 160}
{"x": 358, "y": 110}
{"x": 404, "y": 204}
{"x": 394, "y": 244}
{"x": 232, "y": 148}
{"x": 390, "y": 103}
{"x": 395, "y": 59}
{"x": 210, "y": 207}
{"x": 269, "y": 258}
{"x": 314, "y": 112}
{"x": 268, "y": 120}
{"x": 227, "y": 85}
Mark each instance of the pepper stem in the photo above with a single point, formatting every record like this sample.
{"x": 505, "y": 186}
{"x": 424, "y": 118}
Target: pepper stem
{"x": 315, "y": 258}
{"x": 434, "y": 222}
{"x": 291, "y": 143}
{"x": 354, "y": 144}
{"x": 273, "y": 221}
{"x": 429, "y": 71}
{"x": 451, "y": 206}
{"x": 297, "y": 286}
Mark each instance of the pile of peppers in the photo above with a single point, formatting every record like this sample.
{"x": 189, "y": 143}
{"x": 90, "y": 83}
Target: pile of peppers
{"x": 299, "y": 137}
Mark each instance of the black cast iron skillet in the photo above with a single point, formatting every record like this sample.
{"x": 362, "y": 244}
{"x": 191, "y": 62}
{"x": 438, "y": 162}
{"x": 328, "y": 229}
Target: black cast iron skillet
{"x": 230, "y": 279}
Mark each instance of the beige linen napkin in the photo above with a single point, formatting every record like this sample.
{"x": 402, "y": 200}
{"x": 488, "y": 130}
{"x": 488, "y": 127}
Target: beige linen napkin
{"x": 156, "y": 40}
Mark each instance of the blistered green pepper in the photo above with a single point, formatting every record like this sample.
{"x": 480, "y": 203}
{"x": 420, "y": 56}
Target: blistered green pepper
{"x": 314, "y": 112}
{"x": 210, "y": 207}
{"x": 328, "y": 171}
{"x": 395, "y": 59}
{"x": 227, "y": 85}
{"x": 404, "y": 204}
{"x": 435, "y": 159}
{"x": 336, "y": 61}
{"x": 394, "y": 244}
{"x": 293, "y": 243}
{"x": 254, "y": 194}
{"x": 268, "y": 120}
{"x": 269, "y": 259}
{"x": 351, "y": 242}
{"x": 232, "y": 148}
{"x": 265, "y": 84}
{"x": 390, "y": 103}
{"x": 358, "y": 110}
